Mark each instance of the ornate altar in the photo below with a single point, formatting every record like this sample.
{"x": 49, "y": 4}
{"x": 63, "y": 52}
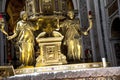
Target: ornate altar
{"x": 50, "y": 52}
{"x": 50, "y": 40}
{"x": 49, "y": 15}
{"x": 51, "y": 11}
{"x": 58, "y": 33}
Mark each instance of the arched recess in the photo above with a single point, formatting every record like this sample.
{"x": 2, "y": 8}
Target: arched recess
{"x": 115, "y": 29}
{"x": 115, "y": 39}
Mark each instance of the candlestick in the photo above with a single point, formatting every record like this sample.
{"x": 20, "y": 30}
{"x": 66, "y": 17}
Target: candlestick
{"x": 104, "y": 62}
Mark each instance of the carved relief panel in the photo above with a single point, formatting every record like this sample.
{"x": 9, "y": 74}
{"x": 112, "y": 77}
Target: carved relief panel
{"x": 50, "y": 51}
{"x": 45, "y": 7}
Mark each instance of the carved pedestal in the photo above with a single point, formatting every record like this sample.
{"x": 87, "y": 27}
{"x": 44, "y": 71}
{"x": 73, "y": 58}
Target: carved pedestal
{"x": 50, "y": 52}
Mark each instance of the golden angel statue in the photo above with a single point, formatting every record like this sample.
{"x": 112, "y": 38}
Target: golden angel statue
{"x": 72, "y": 35}
{"x": 25, "y": 39}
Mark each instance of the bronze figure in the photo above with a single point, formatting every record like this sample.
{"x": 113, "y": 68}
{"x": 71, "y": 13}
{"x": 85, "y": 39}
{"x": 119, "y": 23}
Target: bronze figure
{"x": 25, "y": 39}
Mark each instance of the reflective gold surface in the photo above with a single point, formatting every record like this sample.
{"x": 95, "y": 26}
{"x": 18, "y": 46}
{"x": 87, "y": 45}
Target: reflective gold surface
{"x": 50, "y": 53}
{"x": 72, "y": 35}
{"x": 25, "y": 39}
{"x": 59, "y": 33}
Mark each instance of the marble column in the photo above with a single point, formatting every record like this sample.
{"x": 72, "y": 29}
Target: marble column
{"x": 2, "y": 40}
{"x": 1, "y": 49}
{"x": 89, "y": 8}
{"x": 106, "y": 33}
{"x": 99, "y": 28}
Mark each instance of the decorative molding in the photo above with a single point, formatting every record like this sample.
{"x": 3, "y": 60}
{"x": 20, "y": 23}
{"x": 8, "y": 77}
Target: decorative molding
{"x": 82, "y": 74}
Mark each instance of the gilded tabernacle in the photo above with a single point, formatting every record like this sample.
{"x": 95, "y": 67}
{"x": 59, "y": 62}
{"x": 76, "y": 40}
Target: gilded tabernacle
{"x": 52, "y": 27}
